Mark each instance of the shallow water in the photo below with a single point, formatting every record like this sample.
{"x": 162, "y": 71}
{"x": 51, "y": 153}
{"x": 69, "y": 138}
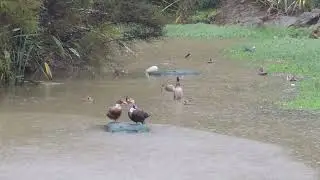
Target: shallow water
{"x": 49, "y": 132}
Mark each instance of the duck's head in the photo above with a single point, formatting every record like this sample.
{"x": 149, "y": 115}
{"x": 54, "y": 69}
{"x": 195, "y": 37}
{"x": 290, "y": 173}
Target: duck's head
{"x": 132, "y": 108}
{"x": 178, "y": 81}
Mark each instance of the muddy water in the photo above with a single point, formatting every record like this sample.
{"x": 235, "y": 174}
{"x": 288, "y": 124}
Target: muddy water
{"x": 49, "y": 132}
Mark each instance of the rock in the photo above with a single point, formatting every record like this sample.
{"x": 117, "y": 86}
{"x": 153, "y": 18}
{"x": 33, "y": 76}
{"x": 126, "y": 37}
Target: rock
{"x": 281, "y": 21}
{"x": 126, "y": 127}
{"x": 308, "y": 18}
{"x": 251, "y": 22}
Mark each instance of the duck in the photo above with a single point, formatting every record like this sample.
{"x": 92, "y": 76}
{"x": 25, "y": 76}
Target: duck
{"x": 130, "y": 100}
{"x": 88, "y": 99}
{"x": 151, "y": 69}
{"x": 177, "y": 91}
{"x": 291, "y": 78}
{"x": 117, "y": 73}
{"x": 252, "y": 49}
{"x": 262, "y": 72}
{"x": 167, "y": 87}
{"x": 210, "y": 61}
{"x": 115, "y": 111}
{"x": 137, "y": 115}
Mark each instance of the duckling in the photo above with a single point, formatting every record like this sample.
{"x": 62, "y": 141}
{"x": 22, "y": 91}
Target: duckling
{"x": 262, "y": 72}
{"x": 187, "y": 55}
{"x": 177, "y": 92}
{"x": 115, "y": 111}
{"x": 137, "y": 115}
{"x": 291, "y": 78}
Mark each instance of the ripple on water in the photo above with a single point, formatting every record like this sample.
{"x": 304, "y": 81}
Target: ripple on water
{"x": 167, "y": 152}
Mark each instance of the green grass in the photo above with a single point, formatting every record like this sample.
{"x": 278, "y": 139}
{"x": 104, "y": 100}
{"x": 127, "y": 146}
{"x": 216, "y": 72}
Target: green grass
{"x": 279, "y": 50}
{"x": 208, "y": 31}
{"x": 203, "y": 16}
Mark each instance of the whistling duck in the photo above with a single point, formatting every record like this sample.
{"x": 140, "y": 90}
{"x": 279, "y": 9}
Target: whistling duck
{"x": 115, "y": 111}
{"x": 177, "y": 92}
{"x": 151, "y": 69}
{"x": 137, "y": 115}
{"x": 291, "y": 78}
{"x": 262, "y": 72}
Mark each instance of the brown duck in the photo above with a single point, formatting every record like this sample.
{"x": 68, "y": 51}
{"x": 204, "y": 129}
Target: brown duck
{"x": 115, "y": 111}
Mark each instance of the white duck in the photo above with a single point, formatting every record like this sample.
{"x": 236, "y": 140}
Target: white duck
{"x": 151, "y": 69}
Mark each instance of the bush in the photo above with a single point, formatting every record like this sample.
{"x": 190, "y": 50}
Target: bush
{"x": 68, "y": 34}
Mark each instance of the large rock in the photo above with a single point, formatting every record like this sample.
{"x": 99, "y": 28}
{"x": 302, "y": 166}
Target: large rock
{"x": 308, "y": 18}
{"x": 126, "y": 127}
{"x": 282, "y": 21}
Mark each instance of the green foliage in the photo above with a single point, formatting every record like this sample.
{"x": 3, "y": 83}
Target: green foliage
{"x": 202, "y": 16}
{"x": 65, "y": 34}
{"x": 279, "y": 50}
{"x": 288, "y": 6}
{"x": 316, "y": 3}
{"x": 20, "y": 14}
{"x": 181, "y": 10}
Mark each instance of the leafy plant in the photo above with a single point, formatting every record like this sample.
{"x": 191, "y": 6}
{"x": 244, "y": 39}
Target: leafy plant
{"x": 287, "y": 6}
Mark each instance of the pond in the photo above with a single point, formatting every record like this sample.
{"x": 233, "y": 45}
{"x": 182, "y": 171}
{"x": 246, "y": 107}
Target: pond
{"x": 49, "y": 132}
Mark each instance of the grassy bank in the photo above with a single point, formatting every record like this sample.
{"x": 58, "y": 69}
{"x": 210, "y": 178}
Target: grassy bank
{"x": 279, "y": 50}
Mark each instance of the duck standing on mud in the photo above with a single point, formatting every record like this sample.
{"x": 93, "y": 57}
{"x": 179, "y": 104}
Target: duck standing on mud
{"x": 115, "y": 111}
{"x": 137, "y": 115}
{"x": 177, "y": 91}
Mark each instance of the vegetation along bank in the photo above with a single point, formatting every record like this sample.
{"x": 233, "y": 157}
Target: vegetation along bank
{"x": 48, "y": 38}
